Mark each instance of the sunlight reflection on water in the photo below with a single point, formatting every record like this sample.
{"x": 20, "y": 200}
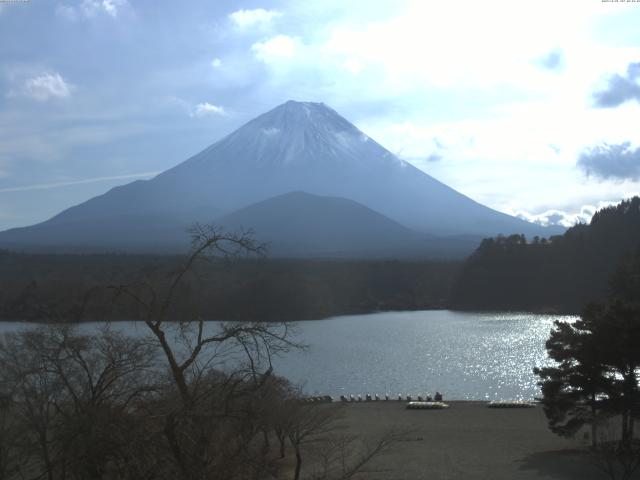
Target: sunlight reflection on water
{"x": 464, "y": 355}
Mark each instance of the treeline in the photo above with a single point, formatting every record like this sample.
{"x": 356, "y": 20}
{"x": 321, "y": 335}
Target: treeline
{"x": 39, "y": 287}
{"x": 556, "y": 275}
{"x": 560, "y": 274}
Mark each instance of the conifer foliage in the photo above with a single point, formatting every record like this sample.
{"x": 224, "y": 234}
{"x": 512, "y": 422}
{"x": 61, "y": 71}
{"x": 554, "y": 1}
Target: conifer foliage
{"x": 595, "y": 379}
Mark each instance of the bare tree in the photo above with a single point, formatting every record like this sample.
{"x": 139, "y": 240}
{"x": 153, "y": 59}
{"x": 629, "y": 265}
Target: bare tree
{"x": 306, "y": 423}
{"x": 208, "y": 425}
{"x": 72, "y": 396}
{"x": 10, "y": 433}
{"x": 191, "y": 400}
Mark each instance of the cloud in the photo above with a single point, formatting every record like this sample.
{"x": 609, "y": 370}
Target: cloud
{"x": 111, "y": 6}
{"x": 565, "y": 218}
{"x": 216, "y": 63}
{"x": 46, "y": 186}
{"x": 250, "y": 18}
{"x": 205, "y": 108}
{"x": 91, "y": 9}
{"x": 274, "y": 49}
{"x": 199, "y": 110}
{"x": 558, "y": 217}
{"x": 554, "y": 60}
{"x": 44, "y": 87}
{"x": 620, "y": 88}
{"x": 617, "y": 162}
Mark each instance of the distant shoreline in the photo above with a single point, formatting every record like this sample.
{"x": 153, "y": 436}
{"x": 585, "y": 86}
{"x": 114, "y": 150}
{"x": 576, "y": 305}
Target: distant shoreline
{"x": 316, "y": 319}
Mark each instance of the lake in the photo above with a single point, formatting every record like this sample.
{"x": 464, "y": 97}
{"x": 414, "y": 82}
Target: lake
{"x": 472, "y": 356}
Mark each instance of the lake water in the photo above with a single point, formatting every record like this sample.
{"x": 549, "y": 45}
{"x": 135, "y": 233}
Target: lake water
{"x": 475, "y": 356}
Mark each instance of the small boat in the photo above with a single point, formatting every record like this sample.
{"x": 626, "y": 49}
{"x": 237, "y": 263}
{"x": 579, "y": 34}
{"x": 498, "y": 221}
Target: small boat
{"x": 427, "y": 405}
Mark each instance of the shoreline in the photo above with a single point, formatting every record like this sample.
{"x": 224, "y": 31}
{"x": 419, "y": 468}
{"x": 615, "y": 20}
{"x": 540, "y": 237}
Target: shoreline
{"x": 438, "y": 308}
{"x": 445, "y": 400}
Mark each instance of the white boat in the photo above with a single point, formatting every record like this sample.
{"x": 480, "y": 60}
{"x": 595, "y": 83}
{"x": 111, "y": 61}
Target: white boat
{"x": 427, "y": 405}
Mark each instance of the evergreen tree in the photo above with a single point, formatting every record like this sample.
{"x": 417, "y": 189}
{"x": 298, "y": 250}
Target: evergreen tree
{"x": 572, "y": 391}
{"x": 560, "y": 274}
{"x": 598, "y": 361}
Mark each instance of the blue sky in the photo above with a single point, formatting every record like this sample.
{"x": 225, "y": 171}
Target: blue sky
{"x": 531, "y": 108}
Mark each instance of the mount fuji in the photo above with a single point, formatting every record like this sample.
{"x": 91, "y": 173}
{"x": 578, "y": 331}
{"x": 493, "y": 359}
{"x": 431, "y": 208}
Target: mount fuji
{"x": 345, "y": 183}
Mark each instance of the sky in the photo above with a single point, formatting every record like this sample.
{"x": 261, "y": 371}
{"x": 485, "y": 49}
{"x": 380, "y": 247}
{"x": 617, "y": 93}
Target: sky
{"x": 529, "y": 107}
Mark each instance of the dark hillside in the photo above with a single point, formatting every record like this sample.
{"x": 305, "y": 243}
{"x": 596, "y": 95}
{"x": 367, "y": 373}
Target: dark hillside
{"x": 560, "y": 274}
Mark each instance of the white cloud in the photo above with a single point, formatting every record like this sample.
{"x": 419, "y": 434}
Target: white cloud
{"x": 566, "y": 218}
{"x": 516, "y": 156}
{"x": 250, "y": 18}
{"x": 417, "y": 45}
{"x": 46, "y": 86}
{"x": 558, "y": 217}
{"x": 511, "y": 129}
{"x": 199, "y": 110}
{"x": 91, "y": 9}
{"x": 468, "y": 73}
{"x": 276, "y": 48}
{"x": 205, "y": 108}
{"x": 470, "y": 43}
{"x": 111, "y": 6}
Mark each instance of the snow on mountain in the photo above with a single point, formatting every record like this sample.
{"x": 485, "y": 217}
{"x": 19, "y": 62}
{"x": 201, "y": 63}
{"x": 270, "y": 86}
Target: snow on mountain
{"x": 296, "y": 147}
{"x": 303, "y": 146}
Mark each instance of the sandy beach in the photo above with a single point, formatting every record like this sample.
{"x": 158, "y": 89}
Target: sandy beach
{"x": 467, "y": 441}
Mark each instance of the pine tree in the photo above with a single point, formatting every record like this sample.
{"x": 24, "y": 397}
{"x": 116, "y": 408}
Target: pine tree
{"x": 598, "y": 361}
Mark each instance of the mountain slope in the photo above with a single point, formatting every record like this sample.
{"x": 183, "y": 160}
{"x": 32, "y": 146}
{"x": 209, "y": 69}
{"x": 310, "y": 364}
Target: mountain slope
{"x": 136, "y": 233}
{"x": 309, "y": 147}
{"x": 294, "y": 147}
{"x": 301, "y": 224}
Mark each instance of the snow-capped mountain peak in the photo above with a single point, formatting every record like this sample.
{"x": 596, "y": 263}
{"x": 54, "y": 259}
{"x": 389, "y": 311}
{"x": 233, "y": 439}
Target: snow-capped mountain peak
{"x": 296, "y": 147}
{"x": 296, "y": 133}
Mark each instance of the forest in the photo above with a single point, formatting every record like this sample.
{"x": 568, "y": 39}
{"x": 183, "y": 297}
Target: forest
{"x": 47, "y": 287}
{"x": 556, "y": 275}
